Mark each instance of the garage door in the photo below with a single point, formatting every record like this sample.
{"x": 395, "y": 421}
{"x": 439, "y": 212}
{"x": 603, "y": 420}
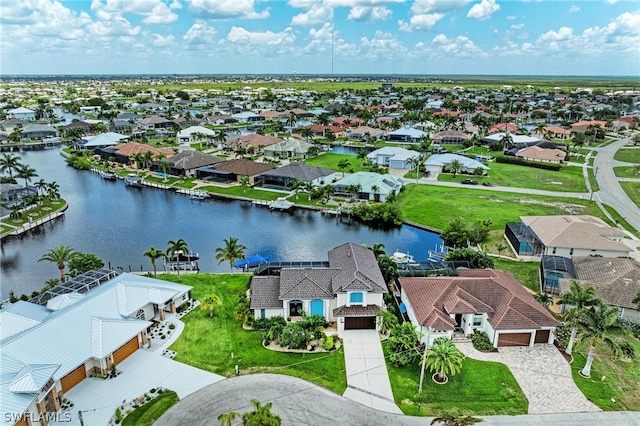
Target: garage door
{"x": 73, "y": 378}
{"x": 359, "y": 323}
{"x": 127, "y": 349}
{"x": 514, "y": 339}
{"x": 542, "y": 336}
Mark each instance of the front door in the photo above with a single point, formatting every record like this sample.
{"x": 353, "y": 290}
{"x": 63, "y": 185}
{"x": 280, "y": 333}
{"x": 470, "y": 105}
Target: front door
{"x": 317, "y": 307}
{"x": 458, "y": 320}
{"x": 295, "y": 308}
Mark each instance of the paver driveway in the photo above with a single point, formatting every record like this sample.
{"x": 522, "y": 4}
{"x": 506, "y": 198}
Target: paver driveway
{"x": 543, "y": 375}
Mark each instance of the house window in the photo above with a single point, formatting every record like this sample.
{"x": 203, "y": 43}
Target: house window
{"x": 477, "y": 320}
{"x": 140, "y": 314}
{"x": 355, "y": 298}
{"x": 570, "y": 252}
{"x": 554, "y": 251}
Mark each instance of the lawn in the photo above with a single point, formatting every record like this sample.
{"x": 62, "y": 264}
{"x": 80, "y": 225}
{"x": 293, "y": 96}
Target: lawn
{"x": 632, "y": 189}
{"x": 628, "y": 155}
{"x": 47, "y": 207}
{"x": 218, "y": 343}
{"x": 525, "y": 272}
{"x": 481, "y": 388}
{"x": 437, "y": 206}
{"x": 626, "y": 172}
{"x": 237, "y": 191}
{"x": 148, "y": 413}
{"x": 568, "y": 179}
{"x": 330, "y": 161}
{"x": 610, "y": 378}
{"x": 619, "y": 219}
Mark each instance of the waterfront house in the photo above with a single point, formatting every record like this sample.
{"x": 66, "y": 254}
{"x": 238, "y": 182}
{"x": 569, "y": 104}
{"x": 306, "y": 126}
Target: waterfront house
{"x": 288, "y": 148}
{"x": 185, "y": 163}
{"x": 372, "y": 186}
{"x": 283, "y": 176}
{"x": 22, "y": 113}
{"x": 256, "y": 141}
{"x": 232, "y": 170}
{"x": 406, "y": 134}
{"x": 437, "y": 163}
{"x": 394, "y": 157}
{"x": 39, "y": 131}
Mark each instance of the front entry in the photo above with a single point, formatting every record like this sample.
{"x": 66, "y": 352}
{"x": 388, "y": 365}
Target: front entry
{"x": 317, "y": 307}
{"x": 295, "y": 308}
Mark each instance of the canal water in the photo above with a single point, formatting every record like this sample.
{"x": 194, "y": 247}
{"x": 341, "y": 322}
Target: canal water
{"x": 118, "y": 223}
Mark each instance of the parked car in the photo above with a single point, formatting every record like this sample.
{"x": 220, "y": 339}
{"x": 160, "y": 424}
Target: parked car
{"x": 487, "y": 184}
{"x": 469, "y": 182}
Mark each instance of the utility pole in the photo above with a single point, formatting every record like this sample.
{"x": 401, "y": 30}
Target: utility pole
{"x": 80, "y": 417}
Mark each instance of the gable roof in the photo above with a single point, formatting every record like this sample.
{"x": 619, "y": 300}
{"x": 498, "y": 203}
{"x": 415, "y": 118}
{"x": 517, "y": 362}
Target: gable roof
{"x": 265, "y": 292}
{"x": 506, "y": 302}
{"x": 307, "y": 283}
{"x": 299, "y": 170}
{"x": 131, "y": 148}
{"x": 358, "y": 269}
{"x": 189, "y": 159}
{"x": 254, "y": 140}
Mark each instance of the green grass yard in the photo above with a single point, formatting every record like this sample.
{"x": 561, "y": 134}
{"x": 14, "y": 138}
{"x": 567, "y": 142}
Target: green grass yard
{"x": 148, "y": 413}
{"x": 209, "y": 342}
{"x": 330, "y": 161}
{"x": 632, "y": 189}
{"x": 237, "y": 191}
{"x": 481, "y": 388}
{"x": 525, "y": 272}
{"x": 626, "y": 172}
{"x": 628, "y": 155}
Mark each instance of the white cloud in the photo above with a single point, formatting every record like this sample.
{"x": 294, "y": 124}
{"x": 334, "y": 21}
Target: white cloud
{"x": 163, "y": 41}
{"x": 363, "y": 13}
{"x": 321, "y": 38}
{"x": 264, "y": 38}
{"x": 382, "y": 46}
{"x": 563, "y": 34}
{"x": 421, "y": 22}
{"x": 574, "y": 9}
{"x": 483, "y": 10}
{"x": 517, "y": 26}
{"x": 427, "y": 13}
{"x": 460, "y": 46}
{"x": 318, "y": 14}
{"x": 175, "y": 4}
{"x": 226, "y": 9}
{"x": 154, "y": 11}
{"x": 200, "y": 33}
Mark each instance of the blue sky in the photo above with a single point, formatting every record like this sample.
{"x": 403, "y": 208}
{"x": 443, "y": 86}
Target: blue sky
{"x": 298, "y": 36}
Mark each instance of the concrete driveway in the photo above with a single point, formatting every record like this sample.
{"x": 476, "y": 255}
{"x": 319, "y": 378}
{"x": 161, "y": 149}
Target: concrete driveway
{"x": 367, "y": 376}
{"x": 543, "y": 375}
{"x": 143, "y": 370}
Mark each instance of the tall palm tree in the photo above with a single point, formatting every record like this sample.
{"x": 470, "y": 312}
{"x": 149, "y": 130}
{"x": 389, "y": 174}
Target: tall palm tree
{"x": 308, "y": 187}
{"x": 414, "y": 162}
{"x": 306, "y": 133}
{"x": 295, "y": 185}
{"x": 53, "y": 190}
{"x": 26, "y": 172}
{"x": 226, "y": 419}
{"x": 60, "y": 256}
{"x": 375, "y": 189}
{"x": 454, "y": 166}
{"x": 579, "y": 298}
{"x": 154, "y": 254}
{"x": 507, "y": 140}
{"x": 9, "y": 163}
{"x": 362, "y": 156}
{"x": 245, "y": 183}
{"x": 444, "y": 358}
{"x": 599, "y": 322}
{"x": 343, "y": 165}
{"x": 231, "y": 252}
{"x": 175, "y": 249}
{"x": 40, "y": 185}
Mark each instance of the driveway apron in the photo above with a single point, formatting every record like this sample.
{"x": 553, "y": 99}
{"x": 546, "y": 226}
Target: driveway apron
{"x": 367, "y": 377}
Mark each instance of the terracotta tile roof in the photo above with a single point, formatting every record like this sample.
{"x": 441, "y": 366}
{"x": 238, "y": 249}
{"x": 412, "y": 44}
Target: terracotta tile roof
{"x": 243, "y": 167}
{"x": 264, "y": 292}
{"x": 506, "y": 302}
{"x": 254, "y": 140}
{"x": 537, "y": 153}
{"x": 356, "y": 311}
{"x": 131, "y": 148}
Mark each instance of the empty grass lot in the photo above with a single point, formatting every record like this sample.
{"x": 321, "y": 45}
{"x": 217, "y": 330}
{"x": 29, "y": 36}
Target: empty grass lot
{"x": 238, "y": 191}
{"x": 632, "y": 189}
{"x": 437, "y": 206}
{"x": 209, "y": 342}
{"x": 628, "y": 155}
{"x": 481, "y": 388}
{"x": 626, "y": 172}
{"x": 330, "y": 161}
{"x": 148, "y": 413}
{"x": 568, "y": 179}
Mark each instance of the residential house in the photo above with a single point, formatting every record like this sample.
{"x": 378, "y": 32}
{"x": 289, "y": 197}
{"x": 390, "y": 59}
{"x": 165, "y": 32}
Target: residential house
{"x": 283, "y": 176}
{"x": 582, "y": 126}
{"x": 321, "y": 131}
{"x": 503, "y": 127}
{"x": 288, "y": 148}
{"x": 185, "y": 163}
{"x": 156, "y": 122}
{"x": 39, "y": 131}
{"x": 394, "y": 157}
{"x": 122, "y": 153}
{"x": 364, "y": 132}
{"x": 256, "y": 141}
{"x": 566, "y": 235}
{"x": 102, "y": 140}
{"x": 544, "y": 155}
{"x": 14, "y": 194}
{"x": 12, "y": 123}
{"x": 195, "y": 134}
{"x": 372, "y": 186}
{"x": 232, "y": 170}
{"x": 438, "y": 162}
{"x": 449, "y": 137}
{"x": 74, "y": 331}
{"x": 406, "y": 134}
{"x": 517, "y": 140}
{"x": 478, "y": 299}
{"x": 186, "y": 121}
{"x": 348, "y": 290}
{"x": 247, "y": 117}
{"x": 22, "y": 113}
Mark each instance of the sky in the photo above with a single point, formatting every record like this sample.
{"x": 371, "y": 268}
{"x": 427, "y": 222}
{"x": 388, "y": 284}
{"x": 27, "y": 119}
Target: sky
{"x": 425, "y": 37}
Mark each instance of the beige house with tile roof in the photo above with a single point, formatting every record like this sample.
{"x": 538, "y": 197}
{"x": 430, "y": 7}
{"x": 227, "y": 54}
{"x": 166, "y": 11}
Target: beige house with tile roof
{"x": 478, "y": 299}
{"x": 544, "y": 155}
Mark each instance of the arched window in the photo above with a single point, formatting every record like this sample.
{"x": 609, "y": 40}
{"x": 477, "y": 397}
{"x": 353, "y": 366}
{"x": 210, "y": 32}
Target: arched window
{"x": 140, "y": 314}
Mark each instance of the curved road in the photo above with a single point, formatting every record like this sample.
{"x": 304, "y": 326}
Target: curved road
{"x": 300, "y": 403}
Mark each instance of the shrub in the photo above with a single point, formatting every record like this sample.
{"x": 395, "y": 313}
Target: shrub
{"x": 515, "y": 160}
{"x": 328, "y": 343}
{"x": 481, "y": 341}
{"x": 294, "y": 336}
{"x": 627, "y": 350}
{"x": 563, "y": 333}
{"x": 633, "y": 325}
{"x": 172, "y": 326}
{"x": 378, "y": 214}
{"x": 274, "y": 333}
{"x": 267, "y": 323}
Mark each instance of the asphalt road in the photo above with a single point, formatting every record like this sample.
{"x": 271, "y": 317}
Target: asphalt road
{"x": 300, "y": 403}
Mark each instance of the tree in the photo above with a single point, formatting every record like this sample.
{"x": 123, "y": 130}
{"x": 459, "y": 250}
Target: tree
{"x": 375, "y": 189}
{"x": 175, "y": 249}
{"x": 444, "y": 358}
{"x": 261, "y": 415}
{"x": 226, "y": 419}
{"x": 84, "y": 262}
{"x": 387, "y": 321}
{"x": 306, "y": 133}
{"x": 476, "y": 259}
{"x": 153, "y": 254}
{"x": 60, "y": 256}
{"x": 9, "y": 163}
{"x": 308, "y": 187}
{"x": 210, "y": 302}
{"x": 449, "y": 420}
{"x": 456, "y": 234}
{"x": 296, "y": 185}
{"x": 40, "y": 186}
{"x": 414, "y": 162}
{"x": 506, "y": 141}
{"x": 454, "y": 166}
{"x": 343, "y": 165}
{"x": 544, "y": 299}
{"x": 500, "y": 248}
{"x": 404, "y": 343}
{"x": 53, "y": 190}
{"x": 388, "y": 267}
{"x": 636, "y": 300}
{"x": 579, "y": 298}
{"x": 598, "y": 323}
{"x": 245, "y": 183}
{"x": 362, "y": 156}
{"x": 231, "y": 252}
{"x": 27, "y": 173}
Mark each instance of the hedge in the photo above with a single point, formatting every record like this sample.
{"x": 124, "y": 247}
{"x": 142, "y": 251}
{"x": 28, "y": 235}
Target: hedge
{"x": 522, "y": 162}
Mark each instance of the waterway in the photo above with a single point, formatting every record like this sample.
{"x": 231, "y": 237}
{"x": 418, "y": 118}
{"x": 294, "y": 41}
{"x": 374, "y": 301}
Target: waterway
{"x": 118, "y": 224}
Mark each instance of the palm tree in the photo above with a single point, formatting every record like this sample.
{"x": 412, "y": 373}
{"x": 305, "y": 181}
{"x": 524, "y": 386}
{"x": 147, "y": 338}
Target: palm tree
{"x": 306, "y": 133}
{"x": 386, "y": 321}
{"x": 221, "y": 136}
{"x": 579, "y": 298}
{"x": 176, "y": 248}
{"x": 506, "y": 141}
{"x": 295, "y": 185}
{"x": 415, "y": 162}
{"x": 444, "y": 358}
{"x": 500, "y": 248}
{"x": 226, "y": 419}
{"x": 153, "y": 254}
{"x": 210, "y": 302}
{"x": 388, "y": 267}
{"x": 26, "y": 172}
{"x": 245, "y": 183}
{"x": 362, "y": 156}
{"x": 343, "y": 165}
{"x": 454, "y": 166}
{"x": 231, "y": 252}
{"x": 9, "y": 162}
{"x": 375, "y": 189}
{"x": 60, "y": 256}
{"x": 308, "y": 187}
{"x": 540, "y": 129}
{"x": 147, "y": 157}
{"x": 40, "y": 186}
{"x": 53, "y": 190}
{"x": 598, "y": 322}
{"x": 378, "y": 249}
{"x": 544, "y": 299}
